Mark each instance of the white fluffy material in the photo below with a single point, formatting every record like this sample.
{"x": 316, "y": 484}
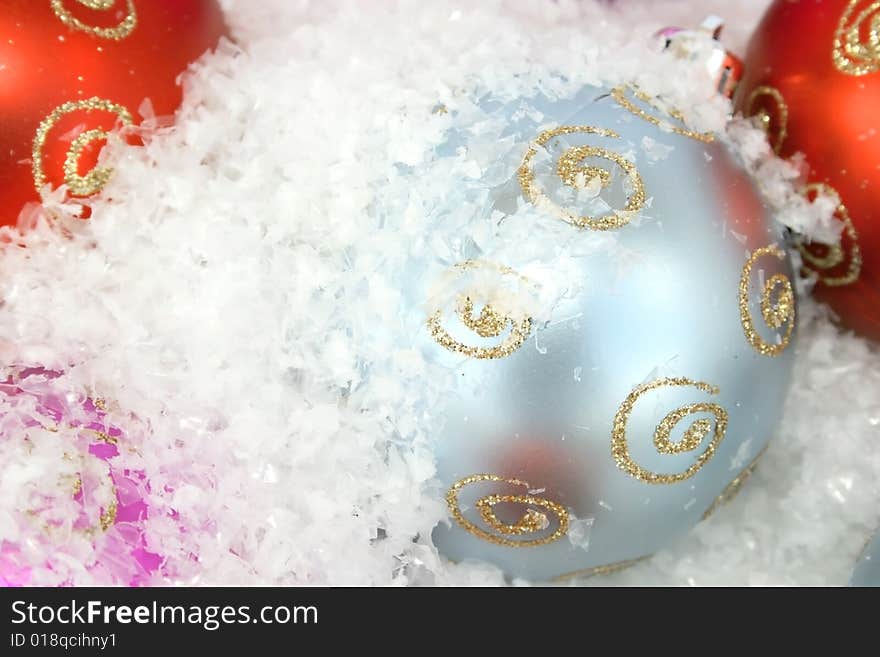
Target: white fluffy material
{"x": 237, "y": 291}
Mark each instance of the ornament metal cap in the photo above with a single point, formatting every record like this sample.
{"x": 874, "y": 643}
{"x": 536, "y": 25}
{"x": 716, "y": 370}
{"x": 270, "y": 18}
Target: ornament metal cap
{"x": 723, "y": 66}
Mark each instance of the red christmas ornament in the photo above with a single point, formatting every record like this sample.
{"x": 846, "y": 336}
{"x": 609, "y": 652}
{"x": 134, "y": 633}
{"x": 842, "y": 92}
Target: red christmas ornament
{"x": 71, "y": 70}
{"x": 813, "y": 78}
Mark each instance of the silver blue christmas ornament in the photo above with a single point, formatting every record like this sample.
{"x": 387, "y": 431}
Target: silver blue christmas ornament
{"x": 620, "y": 365}
{"x": 867, "y": 570}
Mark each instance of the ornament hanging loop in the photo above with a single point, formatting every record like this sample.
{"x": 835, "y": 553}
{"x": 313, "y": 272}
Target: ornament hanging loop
{"x": 704, "y": 43}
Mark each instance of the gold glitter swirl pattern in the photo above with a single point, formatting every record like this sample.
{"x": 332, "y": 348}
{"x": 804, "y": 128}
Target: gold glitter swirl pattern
{"x": 821, "y": 259}
{"x": 734, "y": 487}
{"x": 856, "y": 48}
{"x": 619, "y": 94}
{"x": 691, "y": 440}
{"x": 108, "y": 517}
{"x": 607, "y": 569}
{"x": 95, "y": 179}
{"x": 103, "y": 436}
{"x": 115, "y": 33}
{"x": 777, "y": 305}
{"x": 573, "y": 173}
{"x": 535, "y": 520}
{"x": 489, "y": 323}
{"x": 100, "y": 5}
{"x": 771, "y": 103}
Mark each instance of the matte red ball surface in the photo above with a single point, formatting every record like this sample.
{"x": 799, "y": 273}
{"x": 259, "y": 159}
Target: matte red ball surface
{"x": 813, "y": 74}
{"x": 54, "y": 52}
